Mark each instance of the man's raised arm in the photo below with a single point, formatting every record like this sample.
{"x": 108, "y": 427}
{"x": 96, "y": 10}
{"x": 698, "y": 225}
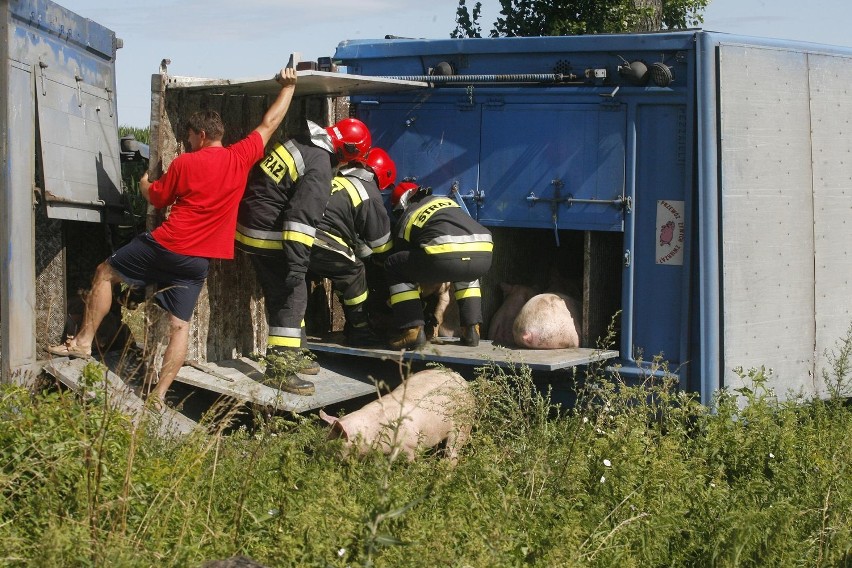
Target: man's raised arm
{"x": 275, "y": 114}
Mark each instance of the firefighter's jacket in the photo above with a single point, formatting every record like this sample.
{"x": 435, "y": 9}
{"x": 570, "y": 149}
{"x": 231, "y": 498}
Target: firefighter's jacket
{"x": 285, "y": 198}
{"x": 439, "y": 226}
{"x": 355, "y": 222}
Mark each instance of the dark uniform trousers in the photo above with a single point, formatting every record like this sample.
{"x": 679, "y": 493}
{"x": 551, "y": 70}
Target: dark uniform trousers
{"x": 347, "y": 275}
{"x": 462, "y": 269}
{"x": 285, "y": 198}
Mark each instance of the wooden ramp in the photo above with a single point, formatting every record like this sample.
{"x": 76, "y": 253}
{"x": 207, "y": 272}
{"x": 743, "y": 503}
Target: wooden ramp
{"x": 121, "y": 396}
{"x": 238, "y": 378}
{"x": 450, "y": 352}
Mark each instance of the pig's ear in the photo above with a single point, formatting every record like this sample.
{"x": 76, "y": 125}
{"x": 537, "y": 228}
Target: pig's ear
{"x": 337, "y": 429}
{"x": 340, "y": 430}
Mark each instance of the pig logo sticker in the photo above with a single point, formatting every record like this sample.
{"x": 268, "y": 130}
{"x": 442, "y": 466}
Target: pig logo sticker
{"x": 670, "y": 232}
{"x": 667, "y": 233}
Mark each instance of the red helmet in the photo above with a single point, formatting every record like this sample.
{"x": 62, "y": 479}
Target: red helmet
{"x": 351, "y": 139}
{"x": 382, "y": 166}
{"x": 402, "y": 193}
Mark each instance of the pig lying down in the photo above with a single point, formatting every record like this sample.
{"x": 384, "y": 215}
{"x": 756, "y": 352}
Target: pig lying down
{"x": 428, "y": 408}
{"x": 548, "y": 321}
{"x": 514, "y": 298}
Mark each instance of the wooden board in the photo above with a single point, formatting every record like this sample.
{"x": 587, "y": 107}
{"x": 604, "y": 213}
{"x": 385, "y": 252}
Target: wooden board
{"x": 331, "y": 385}
{"x": 451, "y": 352}
{"x": 120, "y": 396}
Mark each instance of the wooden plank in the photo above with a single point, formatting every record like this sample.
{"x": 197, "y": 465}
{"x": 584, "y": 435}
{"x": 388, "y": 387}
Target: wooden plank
{"x": 486, "y": 352}
{"x": 331, "y": 386}
{"x": 121, "y": 396}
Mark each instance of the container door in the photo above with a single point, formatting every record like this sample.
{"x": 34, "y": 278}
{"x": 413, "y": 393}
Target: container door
{"x": 78, "y": 138}
{"x": 436, "y": 143}
{"x": 537, "y": 159}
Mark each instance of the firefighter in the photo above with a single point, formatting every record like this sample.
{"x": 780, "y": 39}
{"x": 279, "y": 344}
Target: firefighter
{"x": 284, "y": 201}
{"x": 355, "y": 226}
{"x": 435, "y": 241}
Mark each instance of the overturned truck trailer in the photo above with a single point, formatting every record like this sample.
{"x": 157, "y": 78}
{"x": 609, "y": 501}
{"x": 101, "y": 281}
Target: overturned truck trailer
{"x": 694, "y": 183}
{"x": 698, "y": 183}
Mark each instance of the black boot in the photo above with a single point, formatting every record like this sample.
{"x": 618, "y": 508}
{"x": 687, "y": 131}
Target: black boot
{"x": 469, "y": 335}
{"x": 281, "y": 374}
{"x": 364, "y": 337}
{"x": 411, "y": 338}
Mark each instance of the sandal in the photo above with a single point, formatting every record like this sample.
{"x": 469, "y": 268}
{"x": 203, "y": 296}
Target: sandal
{"x": 71, "y": 351}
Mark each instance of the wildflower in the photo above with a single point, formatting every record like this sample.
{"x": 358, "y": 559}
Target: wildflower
{"x": 585, "y": 419}
{"x": 607, "y": 463}
{"x": 771, "y": 455}
{"x": 341, "y": 552}
{"x": 603, "y": 478}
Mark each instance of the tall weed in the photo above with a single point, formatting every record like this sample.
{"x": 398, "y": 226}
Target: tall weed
{"x": 628, "y": 475}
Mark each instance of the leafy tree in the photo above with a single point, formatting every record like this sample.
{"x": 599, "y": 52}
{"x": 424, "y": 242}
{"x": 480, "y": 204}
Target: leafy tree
{"x": 573, "y": 17}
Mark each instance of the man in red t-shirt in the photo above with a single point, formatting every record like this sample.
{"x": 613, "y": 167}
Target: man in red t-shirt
{"x": 203, "y": 188}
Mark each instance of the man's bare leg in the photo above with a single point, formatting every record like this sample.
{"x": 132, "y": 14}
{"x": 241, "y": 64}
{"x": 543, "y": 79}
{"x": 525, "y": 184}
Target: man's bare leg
{"x": 174, "y": 356}
{"x": 98, "y": 303}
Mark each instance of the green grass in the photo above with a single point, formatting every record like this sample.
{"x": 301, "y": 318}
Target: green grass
{"x": 631, "y": 475}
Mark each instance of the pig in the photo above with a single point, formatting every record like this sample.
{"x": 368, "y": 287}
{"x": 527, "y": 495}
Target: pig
{"x": 441, "y": 311}
{"x": 514, "y": 298}
{"x": 548, "y": 321}
{"x": 428, "y": 408}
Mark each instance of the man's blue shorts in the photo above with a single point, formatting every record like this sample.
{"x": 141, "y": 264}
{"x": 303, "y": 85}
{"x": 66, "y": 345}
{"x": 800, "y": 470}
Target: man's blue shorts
{"x": 178, "y": 277}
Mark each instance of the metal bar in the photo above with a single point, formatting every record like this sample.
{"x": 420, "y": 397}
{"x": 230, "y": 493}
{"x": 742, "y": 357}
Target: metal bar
{"x": 511, "y": 78}
{"x": 709, "y": 280}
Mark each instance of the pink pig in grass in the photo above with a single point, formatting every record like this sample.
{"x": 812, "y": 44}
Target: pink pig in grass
{"x": 428, "y": 408}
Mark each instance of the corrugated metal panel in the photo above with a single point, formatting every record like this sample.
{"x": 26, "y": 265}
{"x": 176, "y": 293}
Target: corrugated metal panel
{"x": 79, "y": 149}
{"x": 831, "y": 109}
{"x": 423, "y": 146}
{"x": 767, "y": 214}
{"x": 553, "y": 152}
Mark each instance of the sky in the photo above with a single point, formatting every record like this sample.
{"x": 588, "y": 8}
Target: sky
{"x": 254, "y": 38}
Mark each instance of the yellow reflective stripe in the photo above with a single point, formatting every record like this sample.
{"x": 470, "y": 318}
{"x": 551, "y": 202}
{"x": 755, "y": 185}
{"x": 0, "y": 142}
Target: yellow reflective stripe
{"x": 288, "y": 161}
{"x": 298, "y": 237}
{"x": 284, "y": 341}
{"x": 420, "y": 216}
{"x": 404, "y": 296}
{"x": 468, "y": 293}
{"x": 338, "y": 239}
{"x": 258, "y": 243}
{"x": 383, "y": 248}
{"x": 350, "y": 188}
{"x": 459, "y": 247}
{"x": 277, "y": 162}
{"x": 356, "y": 300}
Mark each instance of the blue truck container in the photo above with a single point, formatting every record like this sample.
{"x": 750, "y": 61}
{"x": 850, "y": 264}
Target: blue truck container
{"x": 698, "y": 183}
